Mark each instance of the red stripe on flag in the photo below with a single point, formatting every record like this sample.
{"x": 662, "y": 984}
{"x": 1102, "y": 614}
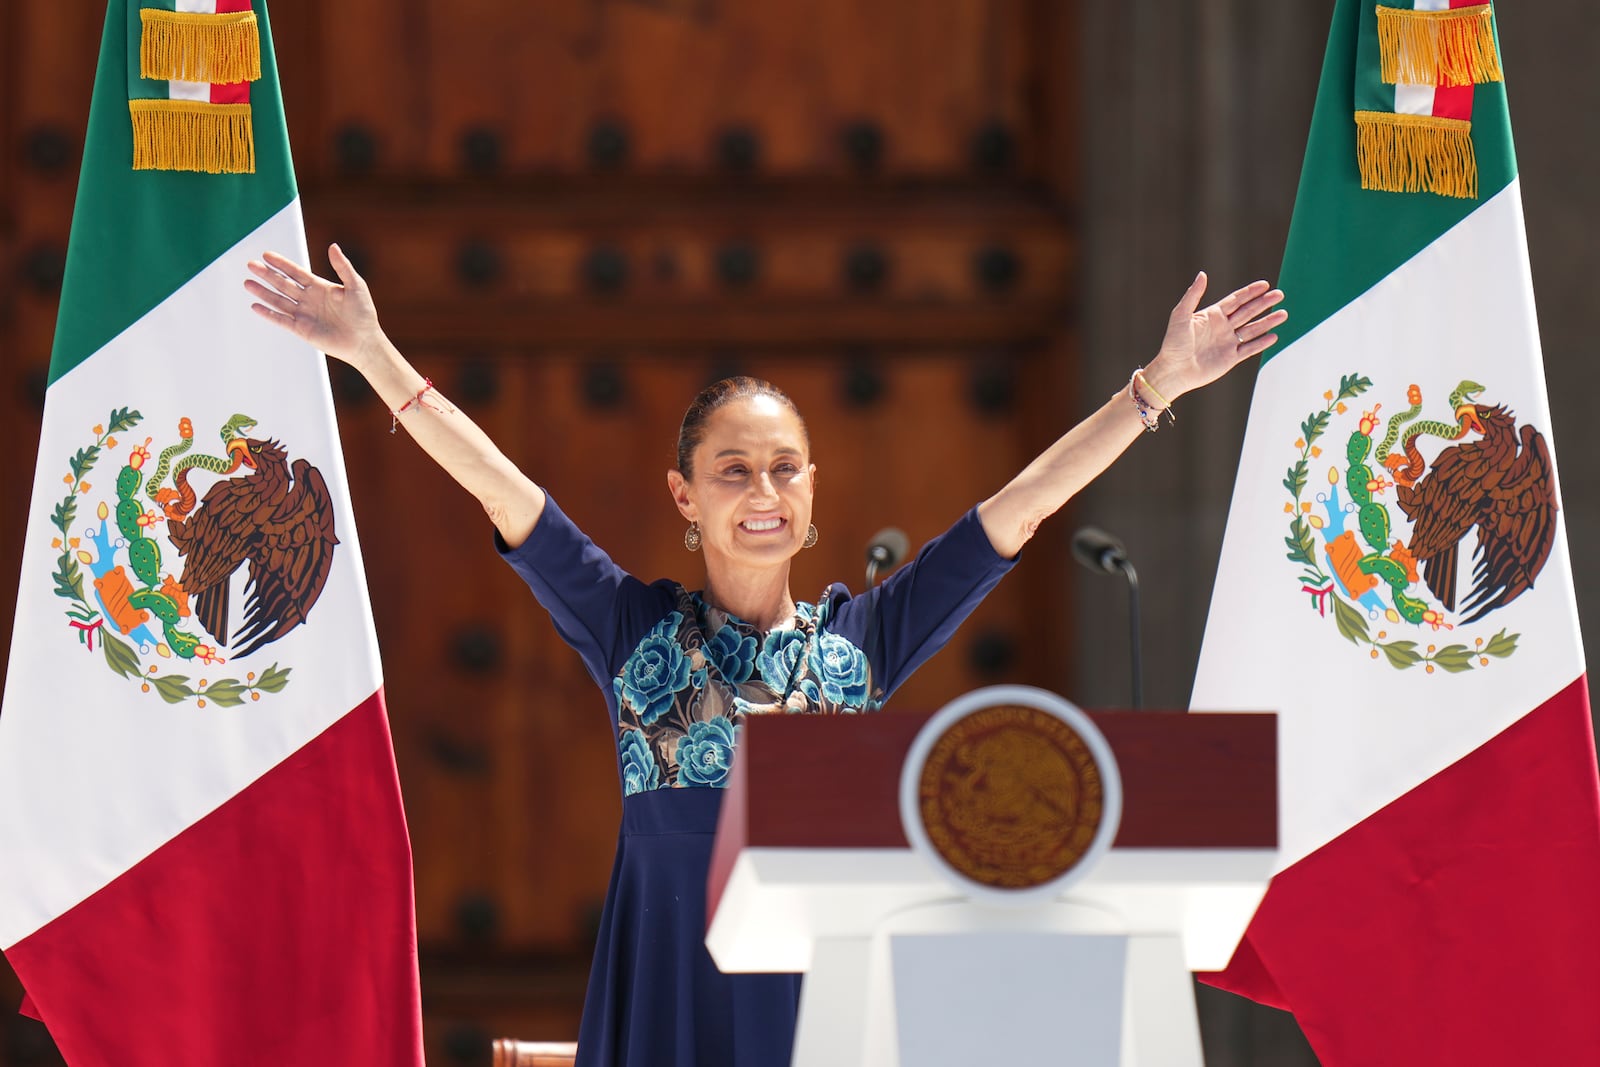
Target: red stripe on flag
{"x": 1452, "y": 102}
{"x": 230, "y": 92}
{"x": 238, "y": 92}
{"x": 279, "y": 929}
{"x": 1457, "y": 925}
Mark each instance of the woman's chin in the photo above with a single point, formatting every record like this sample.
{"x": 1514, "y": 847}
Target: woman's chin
{"x": 767, "y": 546}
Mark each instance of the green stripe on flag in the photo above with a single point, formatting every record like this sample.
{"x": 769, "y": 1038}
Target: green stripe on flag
{"x": 138, "y": 236}
{"x": 1371, "y": 92}
{"x": 1343, "y": 239}
{"x": 141, "y": 88}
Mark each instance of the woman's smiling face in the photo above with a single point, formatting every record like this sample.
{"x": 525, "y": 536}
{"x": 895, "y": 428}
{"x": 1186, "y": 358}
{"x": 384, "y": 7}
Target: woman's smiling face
{"x": 752, "y": 483}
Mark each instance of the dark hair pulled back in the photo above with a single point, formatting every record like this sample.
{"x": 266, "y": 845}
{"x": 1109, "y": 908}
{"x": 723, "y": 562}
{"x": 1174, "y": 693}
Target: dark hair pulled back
{"x": 718, "y": 395}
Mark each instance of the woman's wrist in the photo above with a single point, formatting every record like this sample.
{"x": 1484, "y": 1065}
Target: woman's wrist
{"x": 386, "y": 370}
{"x": 1147, "y": 400}
{"x": 376, "y": 357}
{"x": 1164, "y": 384}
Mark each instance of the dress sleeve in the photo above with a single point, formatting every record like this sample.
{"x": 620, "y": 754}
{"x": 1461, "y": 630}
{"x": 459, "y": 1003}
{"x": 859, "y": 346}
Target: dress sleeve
{"x": 917, "y": 609}
{"x": 598, "y": 608}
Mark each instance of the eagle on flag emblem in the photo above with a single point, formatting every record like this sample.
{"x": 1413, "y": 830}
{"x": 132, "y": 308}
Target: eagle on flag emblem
{"x": 270, "y": 516}
{"x": 1492, "y": 480}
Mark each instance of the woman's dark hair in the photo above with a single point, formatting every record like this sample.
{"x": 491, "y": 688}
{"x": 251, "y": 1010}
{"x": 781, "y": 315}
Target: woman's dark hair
{"x": 719, "y": 394}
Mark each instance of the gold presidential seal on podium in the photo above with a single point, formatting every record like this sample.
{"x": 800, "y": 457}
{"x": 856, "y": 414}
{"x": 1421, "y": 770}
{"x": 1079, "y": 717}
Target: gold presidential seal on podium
{"x": 1011, "y": 790}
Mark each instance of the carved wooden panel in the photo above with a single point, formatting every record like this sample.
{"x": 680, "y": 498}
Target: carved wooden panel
{"x": 791, "y": 87}
{"x": 46, "y": 76}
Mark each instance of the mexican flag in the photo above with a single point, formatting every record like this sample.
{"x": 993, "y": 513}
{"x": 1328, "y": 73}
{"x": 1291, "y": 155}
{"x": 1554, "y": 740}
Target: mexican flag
{"x": 203, "y": 855}
{"x": 1395, "y": 583}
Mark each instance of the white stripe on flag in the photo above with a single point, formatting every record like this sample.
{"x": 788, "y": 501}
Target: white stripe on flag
{"x": 182, "y": 90}
{"x": 1418, "y": 99}
{"x": 1411, "y": 99}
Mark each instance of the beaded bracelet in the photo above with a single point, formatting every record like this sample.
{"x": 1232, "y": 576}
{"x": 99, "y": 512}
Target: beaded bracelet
{"x": 427, "y": 385}
{"x": 1149, "y": 416}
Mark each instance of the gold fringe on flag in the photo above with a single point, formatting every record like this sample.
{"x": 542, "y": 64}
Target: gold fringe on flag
{"x": 1454, "y": 47}
{"x": 1416, "y": 154}
{"x": 195, "y": 47}
{"x": 193, "y": 135}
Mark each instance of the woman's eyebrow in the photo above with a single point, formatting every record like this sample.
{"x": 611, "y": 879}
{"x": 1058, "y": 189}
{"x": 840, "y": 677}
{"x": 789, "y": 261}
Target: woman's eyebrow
{"x": 786, "y": 450}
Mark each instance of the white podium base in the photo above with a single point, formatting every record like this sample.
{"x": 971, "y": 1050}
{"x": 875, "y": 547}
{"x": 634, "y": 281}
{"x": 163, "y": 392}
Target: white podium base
{"x": 954, "y": 984}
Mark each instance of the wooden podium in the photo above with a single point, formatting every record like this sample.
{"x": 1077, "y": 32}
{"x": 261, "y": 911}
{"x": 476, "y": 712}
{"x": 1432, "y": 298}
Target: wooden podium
{"x": 813, "y": 872}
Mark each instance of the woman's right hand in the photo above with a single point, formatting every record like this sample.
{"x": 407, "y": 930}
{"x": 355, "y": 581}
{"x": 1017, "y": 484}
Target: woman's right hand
{"x": 337, "y": 317}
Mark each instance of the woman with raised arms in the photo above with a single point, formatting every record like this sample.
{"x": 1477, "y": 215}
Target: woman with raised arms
{"x": 681, "y": 668}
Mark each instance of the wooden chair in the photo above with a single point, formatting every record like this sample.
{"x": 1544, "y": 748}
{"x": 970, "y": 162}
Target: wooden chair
{"x": 509, "y": 1052}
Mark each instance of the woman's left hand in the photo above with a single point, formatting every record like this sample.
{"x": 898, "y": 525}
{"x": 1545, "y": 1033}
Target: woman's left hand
{"x": 1203, "y": 344}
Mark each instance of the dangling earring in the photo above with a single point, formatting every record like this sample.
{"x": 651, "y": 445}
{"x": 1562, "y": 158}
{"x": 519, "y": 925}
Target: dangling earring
{"x": 811, "y": 536}
{"x": 691, "y": 537}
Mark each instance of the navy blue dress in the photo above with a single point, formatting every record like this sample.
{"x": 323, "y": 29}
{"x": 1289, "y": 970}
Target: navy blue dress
{"x": 679, "y": 677}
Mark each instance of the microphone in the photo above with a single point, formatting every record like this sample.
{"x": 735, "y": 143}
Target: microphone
{"x": 1099, "y": 551}
{"x": 887, "y": 548}
{"x": 1102, "y": 553}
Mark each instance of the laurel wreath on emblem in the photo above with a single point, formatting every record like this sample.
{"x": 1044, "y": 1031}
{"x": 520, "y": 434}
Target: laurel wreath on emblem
{"x": 124, "y": 606}
{"x": 1369, "y": 577}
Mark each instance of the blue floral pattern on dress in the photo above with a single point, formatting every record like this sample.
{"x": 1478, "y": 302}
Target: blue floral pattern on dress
{"x": 639, "y": 768}
{"x": 781, "y": 653}
{"x": 840, "y": 669}
{"x": 733, "y": 654}
{"x": 684, "y": 693}
{"x": 656, "y": 672}
{"x": 705, "y": 753}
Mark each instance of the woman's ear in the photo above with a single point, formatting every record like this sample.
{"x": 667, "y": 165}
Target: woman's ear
{"x": 678, "y": 486}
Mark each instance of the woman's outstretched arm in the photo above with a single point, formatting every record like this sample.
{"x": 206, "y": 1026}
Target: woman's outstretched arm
{"x": 340, "y": 319}
{"x": 1200, "y": 346}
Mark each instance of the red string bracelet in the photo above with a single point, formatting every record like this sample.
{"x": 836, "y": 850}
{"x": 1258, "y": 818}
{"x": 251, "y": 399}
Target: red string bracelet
{"x": 427, "y": 384}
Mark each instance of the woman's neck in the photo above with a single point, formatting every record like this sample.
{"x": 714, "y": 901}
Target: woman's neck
{"x": 760, "y": 598}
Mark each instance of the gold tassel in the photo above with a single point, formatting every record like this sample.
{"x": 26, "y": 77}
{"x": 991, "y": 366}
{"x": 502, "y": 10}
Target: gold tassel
{"x": 193, "y": 135}
{"x": 194, "y": 47}
{"x": 1416, "y": 154}
{"x": 1454, "y": 47}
